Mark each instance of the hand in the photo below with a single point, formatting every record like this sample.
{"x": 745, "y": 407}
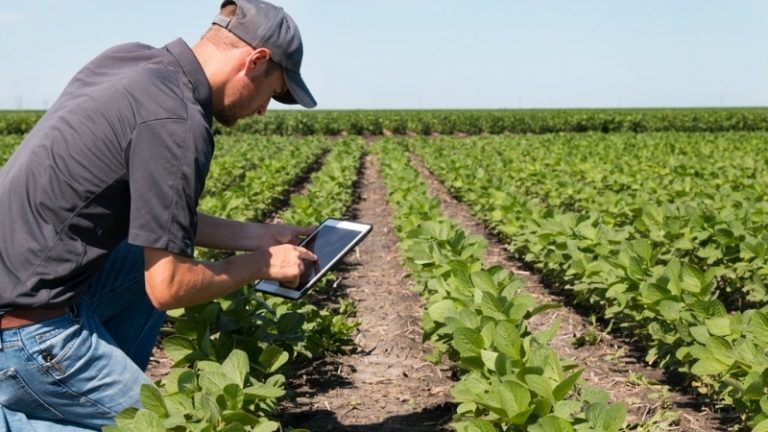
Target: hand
{"x": 286, "y": 263}
{"x": 276, "y": 234}
{"x": 225, "y": 234}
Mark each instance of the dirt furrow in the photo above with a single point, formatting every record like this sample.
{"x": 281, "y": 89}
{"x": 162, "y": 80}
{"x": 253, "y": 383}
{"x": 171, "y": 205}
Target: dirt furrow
{"x": 609, "y": 362}
{"x": 385, "y": 385}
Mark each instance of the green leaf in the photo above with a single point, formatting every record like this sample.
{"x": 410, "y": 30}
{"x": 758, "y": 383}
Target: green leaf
{"x": 269, "y": 426}
{"x": 515, "y": 401}
{"x": 541, "y": 386}
{"x": 606, "y": 418}
{"x": 441, "y": 310}
{"x": 758, "y": 327}
{"x": 489, "y": 359}
{"x": 692, "y": 279}
{"x": 551, "y": 424}
{"x": 485, "y": 282}
{"x": 273, "y": 357}
{"x": 213, "y": 381}
{"x": 289, "y": 323}
{"x": 566, "y": 408}
{"x": 642, "y": 247}
{"x": 761, "y": 427}
{"x": 507, "y": 339}
{"x": 708, "y": 366}
{"x": 179, "y": 404}
{"x": 152, "y": 400}
{"x": 147, "y": 421}
{"x": 700, "y": 334}
{"x": 234, "y": 396}
{"x": 210, "y": 409}
{"x": 635, "y": 270}
{"x": 468, "y": 342}
{"x": 652, "y": 293}
{"x": 719, "y": 326}
{"x": 591, "y": 394}
{"x": 236, "y": 366}
{"x": 669, "y": 310}
{"x": 178, "y": 347}
{"x": 614, "y": 417}
{"x": 565, "y": 386}
{"x": 263, "y": 391}
{"x": 241, "y": 417}
{"x": 673, "y": 273}
{"x": 127, "y": 414}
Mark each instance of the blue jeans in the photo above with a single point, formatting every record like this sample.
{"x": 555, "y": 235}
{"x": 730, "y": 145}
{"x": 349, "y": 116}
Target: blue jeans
{"x": 77, "y": 371}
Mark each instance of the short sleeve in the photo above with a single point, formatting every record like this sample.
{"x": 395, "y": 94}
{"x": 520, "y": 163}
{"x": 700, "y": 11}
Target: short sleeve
{"x": 167, "y": 166}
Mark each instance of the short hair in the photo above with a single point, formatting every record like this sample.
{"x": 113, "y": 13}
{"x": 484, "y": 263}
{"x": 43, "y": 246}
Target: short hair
{"x": 223, "y": 38}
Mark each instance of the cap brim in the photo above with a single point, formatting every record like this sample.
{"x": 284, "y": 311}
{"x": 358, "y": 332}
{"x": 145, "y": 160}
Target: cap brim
{"x": 297, "y": 93}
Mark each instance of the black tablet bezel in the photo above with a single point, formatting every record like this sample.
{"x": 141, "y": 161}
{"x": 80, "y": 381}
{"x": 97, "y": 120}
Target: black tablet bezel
{"x": 275, "y": 288}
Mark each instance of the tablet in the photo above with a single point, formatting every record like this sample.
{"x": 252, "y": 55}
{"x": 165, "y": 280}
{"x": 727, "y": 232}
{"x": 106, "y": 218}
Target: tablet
{"x": 330, "y": 242}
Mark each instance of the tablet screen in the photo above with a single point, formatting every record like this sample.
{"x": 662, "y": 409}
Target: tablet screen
{"x": 327, "y": 243}
{"x": 330, "y": 243}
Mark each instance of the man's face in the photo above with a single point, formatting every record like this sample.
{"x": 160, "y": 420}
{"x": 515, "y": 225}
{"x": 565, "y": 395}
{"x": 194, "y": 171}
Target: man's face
{"x": 250, "y": 93}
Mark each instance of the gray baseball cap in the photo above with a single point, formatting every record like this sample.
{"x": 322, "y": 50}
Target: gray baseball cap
{"x": 263, "y": 25}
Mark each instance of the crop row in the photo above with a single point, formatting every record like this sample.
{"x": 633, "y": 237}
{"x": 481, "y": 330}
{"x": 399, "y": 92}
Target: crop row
{"x": 697, "y": 198}
{"x": 448, "y": 122}
{"x": 511, "y": 380}
{"x": 255, "y": 172}
{"x": 665, "y": 303}
{"x": 18, "y": 122}
{"x": 8, "y": 144}
{"x": 231, "y": 354}
{"x": 472, "y": 122}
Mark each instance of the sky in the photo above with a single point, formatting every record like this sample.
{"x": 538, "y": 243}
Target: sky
{"x": 447, "y": 54}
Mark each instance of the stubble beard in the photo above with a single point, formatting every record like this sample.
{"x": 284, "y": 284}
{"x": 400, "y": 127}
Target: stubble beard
{"x": 230, "y": 113}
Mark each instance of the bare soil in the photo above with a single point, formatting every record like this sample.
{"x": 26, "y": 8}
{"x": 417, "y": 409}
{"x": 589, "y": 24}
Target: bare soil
{"x": 610, "y": 364}
{"x": 385, "y": 384}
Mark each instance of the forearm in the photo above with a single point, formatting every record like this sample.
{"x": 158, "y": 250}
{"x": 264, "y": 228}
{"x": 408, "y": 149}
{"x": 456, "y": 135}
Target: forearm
{"x": 218, "y": 233}
{"x": 225, "y": 234}
{"x": 173, "y": 281}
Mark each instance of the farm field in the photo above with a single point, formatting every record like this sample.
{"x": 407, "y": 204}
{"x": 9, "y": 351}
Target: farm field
{"x": 528, "y": 271}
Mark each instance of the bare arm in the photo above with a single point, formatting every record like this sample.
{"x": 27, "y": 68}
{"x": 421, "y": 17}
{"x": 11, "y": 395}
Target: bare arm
{"x": 174, "y": 281}
{"x": 225, "y": 234}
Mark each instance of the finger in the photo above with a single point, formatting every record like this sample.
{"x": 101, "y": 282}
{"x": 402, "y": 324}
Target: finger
{"x": 293, "y": 283}
{"x": 305, "y": 254}
{"x": 294, "y": 234}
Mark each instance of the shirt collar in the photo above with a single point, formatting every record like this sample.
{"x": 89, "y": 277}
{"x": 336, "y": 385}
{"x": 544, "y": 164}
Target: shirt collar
{"x": 194, "y": 72}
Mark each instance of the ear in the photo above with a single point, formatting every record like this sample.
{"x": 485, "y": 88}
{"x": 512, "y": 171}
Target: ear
{"x": 256, "y": 60}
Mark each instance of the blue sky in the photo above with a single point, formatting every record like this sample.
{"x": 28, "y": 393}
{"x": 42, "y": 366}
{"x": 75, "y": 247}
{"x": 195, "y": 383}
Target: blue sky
{"x": 436, "y": 54}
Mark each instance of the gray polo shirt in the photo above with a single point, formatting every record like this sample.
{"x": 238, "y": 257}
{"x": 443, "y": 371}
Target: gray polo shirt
{"x": 122, "y": 154}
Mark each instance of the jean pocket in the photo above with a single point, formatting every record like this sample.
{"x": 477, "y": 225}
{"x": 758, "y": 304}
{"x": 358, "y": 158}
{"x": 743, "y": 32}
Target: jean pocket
{"x": 54, "y": 343}
{"x": 16, "y": 395}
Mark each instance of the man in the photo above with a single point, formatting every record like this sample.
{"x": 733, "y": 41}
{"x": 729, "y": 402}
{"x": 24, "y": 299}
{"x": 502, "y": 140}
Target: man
{"x": 99, "y": 214}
